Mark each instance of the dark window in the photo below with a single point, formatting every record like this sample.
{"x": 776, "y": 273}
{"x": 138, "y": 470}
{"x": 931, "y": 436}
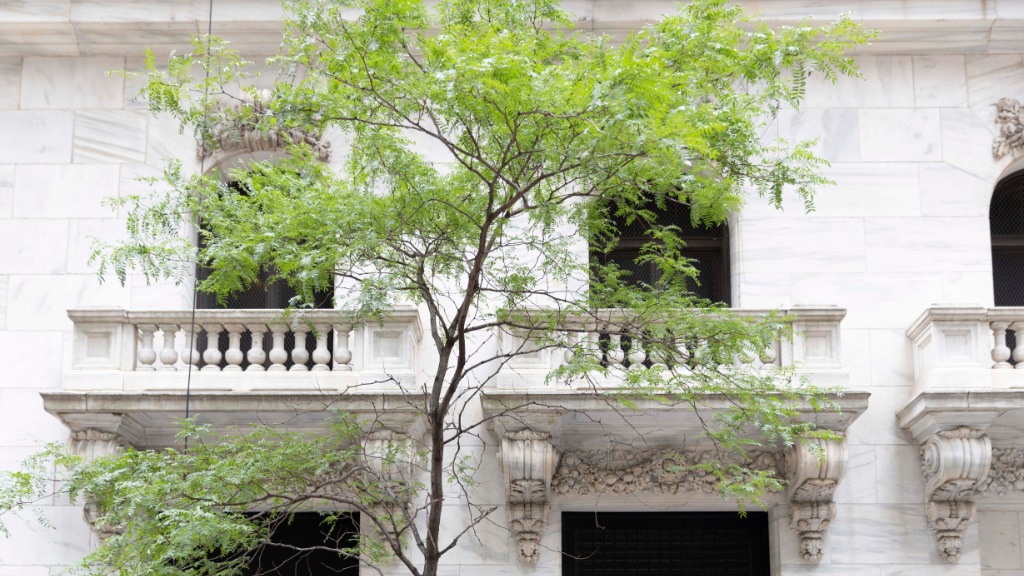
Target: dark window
{"x": 665, "y": 544}
{"x": 707, "y": 246}
{"x": 307, "y": 529}
{"x": 1006, "y": 222}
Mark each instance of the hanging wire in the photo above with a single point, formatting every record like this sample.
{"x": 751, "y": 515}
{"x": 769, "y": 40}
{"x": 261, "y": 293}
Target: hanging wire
{"x": 202, "y": 170}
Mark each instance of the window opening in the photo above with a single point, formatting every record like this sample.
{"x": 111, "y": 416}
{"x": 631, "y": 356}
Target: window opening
{"x": 665, "y": 544}
{"x": 262, "y": 294}
{"x": 283, "y": 555}
{"x": 708, "y": 247}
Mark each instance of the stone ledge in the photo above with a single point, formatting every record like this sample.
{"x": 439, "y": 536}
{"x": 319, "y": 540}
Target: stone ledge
{"x": 1000, "y": 413}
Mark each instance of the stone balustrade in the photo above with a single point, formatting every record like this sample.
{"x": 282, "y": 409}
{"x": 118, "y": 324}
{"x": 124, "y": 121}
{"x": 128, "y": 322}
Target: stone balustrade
{"x": 129, "y": 350}
{"x": 968, "y": 348}
{"x": 813, "y": 350}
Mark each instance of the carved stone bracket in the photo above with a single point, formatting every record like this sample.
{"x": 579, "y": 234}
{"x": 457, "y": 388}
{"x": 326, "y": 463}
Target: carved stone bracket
{"x": 528, "y": 461}
{"x": 955, "y": 463}
{"x": 245, "y": 137}
{"x": 814, "y": 467}
{"x": 90, "y": 445}
{"x": 1010, "y": 120}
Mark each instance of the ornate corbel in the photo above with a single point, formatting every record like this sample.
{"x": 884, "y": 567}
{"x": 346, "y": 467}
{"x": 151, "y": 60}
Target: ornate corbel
{"x": 390, "y": 458}
{"x": 243, "y": 136}
{"x": 1010, "y": 120}
{"x": 528, "y": 461}
{"x": 90, "y": 445}
{"x": 814, "y": 466}
{"x": 954, "y": 463}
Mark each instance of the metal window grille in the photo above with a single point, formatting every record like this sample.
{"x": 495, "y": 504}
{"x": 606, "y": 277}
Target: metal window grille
{"x": 306, "y": 529}
{"x": 665, "y": 544}
{"x": 1006, "y": 223}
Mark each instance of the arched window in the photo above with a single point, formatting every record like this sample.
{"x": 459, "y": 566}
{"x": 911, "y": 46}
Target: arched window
{"x": 707, "y": 246}
{"x": 1006, "y": 223}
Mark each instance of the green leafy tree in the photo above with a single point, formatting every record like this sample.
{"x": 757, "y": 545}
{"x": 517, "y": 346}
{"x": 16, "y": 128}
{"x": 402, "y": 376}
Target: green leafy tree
{"x": 549, "y": 135}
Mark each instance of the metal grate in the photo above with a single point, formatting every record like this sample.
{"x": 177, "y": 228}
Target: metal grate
{"x": 306, "y": 529}
{"x": 665, "y": 544}
{"x": 1006, "y": 222}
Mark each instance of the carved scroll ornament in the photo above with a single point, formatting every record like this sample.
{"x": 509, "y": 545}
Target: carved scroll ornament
{"x": 90, "y": 445}
{"x": 815, "y": 467}
{"x": 528, "y": 463}
{"x": 232, "y": 137}
{"x": 955, "y": 463}
{"x": 1010, "y": 120}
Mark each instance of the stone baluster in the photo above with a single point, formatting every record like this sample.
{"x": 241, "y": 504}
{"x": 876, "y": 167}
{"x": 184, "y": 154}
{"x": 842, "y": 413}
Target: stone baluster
{"x": 278, "y": 355}
{"x": 342, "y": 354}
{"x": 234, "y": 355}
{"x": 147, "y": 355}
{"x": 321, "y": 356}
{"x": 168, "y": 354}
{"x": 256, "y": 355}
{"x": 615, "y": 354}
{"x": 212, "y": 355}
{"x": 191, "y": 355}
{"x": 683, "y": 351}
{"x": 637, "y": 355}
{"x": 1018, "y": 350}
{"x": 1000, "y": 352}
{"x": 299, "y": 353}
{"x": 769, "y": 356}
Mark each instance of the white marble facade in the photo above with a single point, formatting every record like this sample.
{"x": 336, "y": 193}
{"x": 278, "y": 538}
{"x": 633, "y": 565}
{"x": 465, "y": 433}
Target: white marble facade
{"x": 905, "y": 228}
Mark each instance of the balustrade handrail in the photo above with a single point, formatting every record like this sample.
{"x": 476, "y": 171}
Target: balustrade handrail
{"x": 957, "y": 337}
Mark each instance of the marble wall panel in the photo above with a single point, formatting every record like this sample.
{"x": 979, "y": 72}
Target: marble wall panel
{"x": 159, "y": 294}
{"x": 888, "y": 83}
{"x": 936, "y": 244}
{"x": 899, "y": 475}
{"x": 880, "y": 534}
{"x": 23, "y": 422}
{"x": 1008, "y": 9}
{"x": 872, "y": 300}
{"x": 490, "y": 543}
{"x": 860, "y": 485}
{"x": 35, "y": 10}
{"x": 41, "y": 302}
{"x": 967, "y": 144}
{"x": 42, "y": 137}
{"x": 163, "y": 141}
{"x": 950, "y": 191}
{"x": 72, "y": 191}
{"x": 72, "y": 83}
{"x": 877, "y": 425}
{"x": 37, "y": 359}
{"x": 10, "y": 82}
{"x": 869, "y": 189}
{"x": 802, "y": 245}
{"x": 940, "y": 81}
{"x": 1000, "y": 537}
{"x": 989, "y": 78}
{"x": 4, "y": 282}
{"x": 34, "y": 246}
{"x": 65, "y": 546}
{"x": 110, "y": 136}
{"x": 81, "y": 235}
{"x": 769, "y": 290}
{"x": 6, "y": 190}
{"x": 900, "y": 135}
{"x": 855, "y": 357}
{"x": 891, "y": 357}
{"x": 836, "y": 129}
{"x": 974, "y": 287}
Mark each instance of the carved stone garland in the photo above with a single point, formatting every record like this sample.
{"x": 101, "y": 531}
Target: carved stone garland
{"x": 814, "y": 468}
{"x": 1010, "y": 120}
{"x": 528, "y": 462}
{"x": 90, "y": 445}
{"x": 1006, "y": 476}
{"x": 230, "y": 138}
{"x": 955, "y": 464}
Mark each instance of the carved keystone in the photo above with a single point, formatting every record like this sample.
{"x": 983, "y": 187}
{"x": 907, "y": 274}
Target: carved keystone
{"x": 528, "y": 461}
{"x": 815, "y": 467}
{"x": 1010, "y": 120}
{"x": 90, "y": 445}
{"x": 954, "y": 463}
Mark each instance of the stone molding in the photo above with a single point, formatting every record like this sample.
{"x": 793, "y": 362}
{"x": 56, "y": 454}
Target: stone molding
{"x": 629, "y": 472}
{"x": 1006, "y": 476}
{"x": 1010, "y": 121}
{"x": 954, "y": 464}
{"x": 814, "y": 468}
{"x": 90, "y": 445}
{"x": 240, "y": 138}
{"x": 528, "y": 463}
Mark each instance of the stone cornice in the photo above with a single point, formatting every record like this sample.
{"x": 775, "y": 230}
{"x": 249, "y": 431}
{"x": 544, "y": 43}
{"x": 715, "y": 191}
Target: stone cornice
{"x": 89, "y": 27}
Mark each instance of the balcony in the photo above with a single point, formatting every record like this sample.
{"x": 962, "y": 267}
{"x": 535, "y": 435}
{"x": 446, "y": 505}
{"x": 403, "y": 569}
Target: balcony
{"x": 134, "y": 372}
{"x": 968, "y": 371}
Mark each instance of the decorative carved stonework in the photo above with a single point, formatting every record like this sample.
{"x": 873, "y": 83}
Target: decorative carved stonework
{"x": 1006, "y": 475}
{"x": 90, "y": 445}
{"x": 246, "y": 137}
{"x": 814, "y": 468}
{"x": 955, "y": 463}
{"x": 528, "y": 463}
{"x": 1010, "y": 120}
{"x": 627, "y": 472}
